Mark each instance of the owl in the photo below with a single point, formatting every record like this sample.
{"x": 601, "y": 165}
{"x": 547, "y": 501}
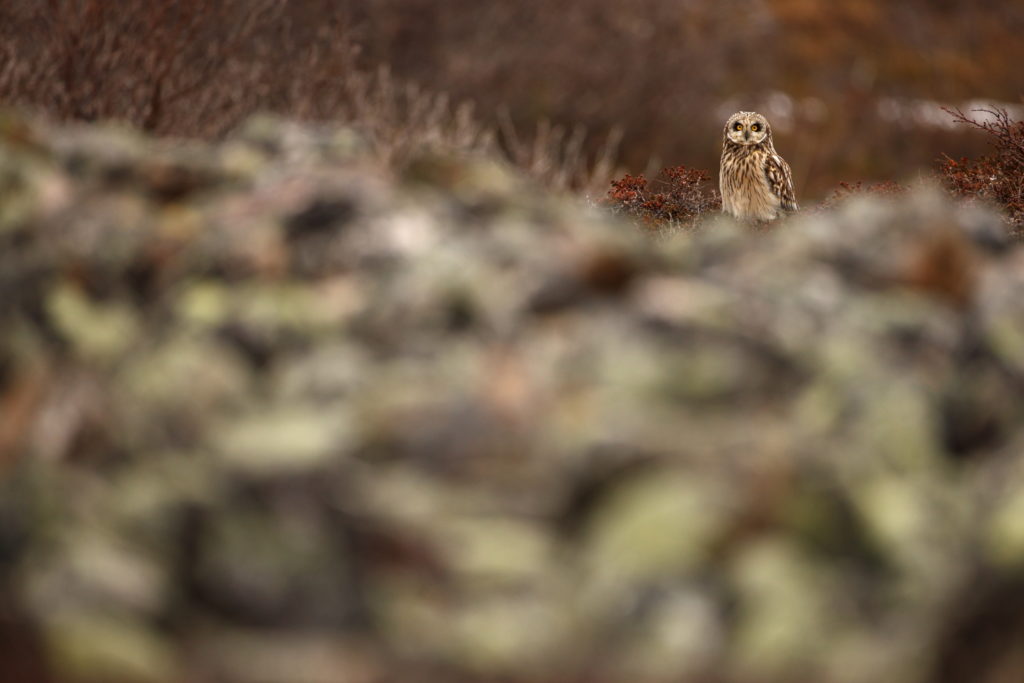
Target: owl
{"x": 755, "y": 181}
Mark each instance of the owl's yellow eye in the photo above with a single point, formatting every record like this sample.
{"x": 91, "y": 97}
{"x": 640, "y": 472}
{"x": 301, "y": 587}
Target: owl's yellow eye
{"x": 756, "y": 127}
{"x": 737, "y": 126}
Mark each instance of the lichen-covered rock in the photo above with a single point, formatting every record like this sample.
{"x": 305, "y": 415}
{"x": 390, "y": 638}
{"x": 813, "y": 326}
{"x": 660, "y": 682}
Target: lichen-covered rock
{"x": 271, "y": 414}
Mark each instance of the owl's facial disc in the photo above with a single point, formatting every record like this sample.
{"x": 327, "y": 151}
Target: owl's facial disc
{"x": 747, "y": 128}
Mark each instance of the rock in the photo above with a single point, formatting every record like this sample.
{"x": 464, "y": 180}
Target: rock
{"x": 269, "y": 412}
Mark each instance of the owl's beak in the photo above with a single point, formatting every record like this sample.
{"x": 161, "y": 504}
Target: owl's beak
{"x": 746, "y": 135}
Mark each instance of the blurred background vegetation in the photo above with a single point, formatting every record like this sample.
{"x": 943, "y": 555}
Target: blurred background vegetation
{"x": 570, "y": 90}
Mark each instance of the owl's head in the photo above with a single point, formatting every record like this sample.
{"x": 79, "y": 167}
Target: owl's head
{"x": 747, "y": 128}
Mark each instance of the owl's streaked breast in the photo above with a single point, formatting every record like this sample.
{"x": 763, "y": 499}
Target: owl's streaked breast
{"x": 746, "y": 193}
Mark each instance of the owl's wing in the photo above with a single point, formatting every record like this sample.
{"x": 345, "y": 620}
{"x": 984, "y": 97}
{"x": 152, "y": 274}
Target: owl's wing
{"x": 780, "y": 179}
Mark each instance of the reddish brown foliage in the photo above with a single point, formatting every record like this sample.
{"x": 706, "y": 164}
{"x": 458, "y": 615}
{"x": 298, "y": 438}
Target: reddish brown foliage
{"x": 184, "y": 68}
{"x": 846, "y": 190}
{"x": 196, "y": 68}
{"x": 999, "y": 177}
{"x": 664, "y": 73}
{"x": 684, "y": 196}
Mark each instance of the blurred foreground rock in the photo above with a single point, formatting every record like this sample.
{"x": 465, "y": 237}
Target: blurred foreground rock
{"x": 268, "y": 415}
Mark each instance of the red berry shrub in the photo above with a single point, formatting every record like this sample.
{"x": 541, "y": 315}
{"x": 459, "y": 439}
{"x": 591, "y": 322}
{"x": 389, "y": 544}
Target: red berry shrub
{"x": 997, "y": 178}
{"x": 677, "y": 196}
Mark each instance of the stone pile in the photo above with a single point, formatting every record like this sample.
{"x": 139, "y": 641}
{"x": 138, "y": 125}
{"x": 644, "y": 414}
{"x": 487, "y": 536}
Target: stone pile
{"x": 269, "y": 414}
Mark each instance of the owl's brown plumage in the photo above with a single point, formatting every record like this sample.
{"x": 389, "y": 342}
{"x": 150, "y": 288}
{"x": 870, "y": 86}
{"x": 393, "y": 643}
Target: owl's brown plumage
{"x": 755, "y": 181}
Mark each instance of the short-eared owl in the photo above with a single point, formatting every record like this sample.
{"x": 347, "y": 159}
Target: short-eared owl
{"x": 756, "y": 182}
